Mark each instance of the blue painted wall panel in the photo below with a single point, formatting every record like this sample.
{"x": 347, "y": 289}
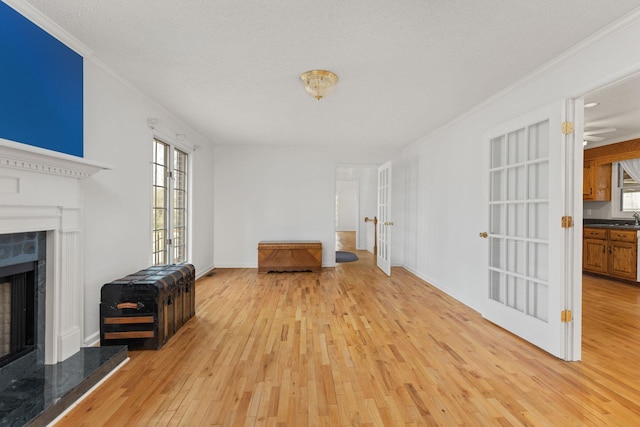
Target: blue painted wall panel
{"x": 41, "y": 91}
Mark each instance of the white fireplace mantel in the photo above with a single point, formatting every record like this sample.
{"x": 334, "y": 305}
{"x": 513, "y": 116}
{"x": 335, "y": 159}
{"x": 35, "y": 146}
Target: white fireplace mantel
{"x": 39, "y": 191}
{"x": 22, "y": 156}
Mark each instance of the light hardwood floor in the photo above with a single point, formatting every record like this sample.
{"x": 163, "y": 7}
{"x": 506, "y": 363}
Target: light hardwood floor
{"x": 353, "y": 347}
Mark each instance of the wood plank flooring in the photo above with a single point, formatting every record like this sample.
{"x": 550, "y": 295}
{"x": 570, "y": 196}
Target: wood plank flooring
{"x": 352, "y": 347}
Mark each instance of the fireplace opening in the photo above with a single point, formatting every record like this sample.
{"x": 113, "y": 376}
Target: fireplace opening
{"x": 18, "y": 311}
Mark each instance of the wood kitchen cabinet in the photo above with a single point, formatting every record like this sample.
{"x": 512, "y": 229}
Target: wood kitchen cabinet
{"x": 594, "y": 250}
{"x": 612, "y": 252}
{"x": 588, "y": 179}
{"x": 596, "y": 184}
{"x": 623, "y": 256}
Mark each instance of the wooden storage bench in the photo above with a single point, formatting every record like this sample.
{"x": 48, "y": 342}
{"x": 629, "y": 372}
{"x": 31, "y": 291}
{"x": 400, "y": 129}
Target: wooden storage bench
{"x": 289, "y": 255}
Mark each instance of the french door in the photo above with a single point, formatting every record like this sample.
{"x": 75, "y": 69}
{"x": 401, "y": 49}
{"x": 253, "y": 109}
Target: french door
{"x": 527, "y": 238}
{"x": 384, "y": 218}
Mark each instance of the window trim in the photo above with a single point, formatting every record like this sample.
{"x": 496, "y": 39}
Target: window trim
{"x": 155, "y": 251}
{"x": 178, "y": 143}
{"x": 616, "y": 194}
{"x": 187, "y": 218}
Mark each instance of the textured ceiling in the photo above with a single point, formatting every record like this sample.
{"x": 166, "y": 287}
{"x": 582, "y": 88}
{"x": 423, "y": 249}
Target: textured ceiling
{"x": 617, "y": 113}
{"x": 231, "y": 68}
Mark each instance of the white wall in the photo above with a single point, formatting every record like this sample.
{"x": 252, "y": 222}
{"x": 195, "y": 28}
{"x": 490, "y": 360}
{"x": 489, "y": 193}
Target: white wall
{"x": 445, "y": 172}
{"x": 601, "y": 210}
{"x": 117, "y": 214}
{"x": 347, "y": 199}
{"x": 280, "y": 193}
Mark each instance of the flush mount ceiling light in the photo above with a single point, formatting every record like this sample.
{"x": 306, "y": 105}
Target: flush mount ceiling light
{"x": 318, "y": 83}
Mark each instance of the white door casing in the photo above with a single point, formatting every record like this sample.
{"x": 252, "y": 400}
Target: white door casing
{"x": 384, "y": 220}
{"x": 527, "y": 244}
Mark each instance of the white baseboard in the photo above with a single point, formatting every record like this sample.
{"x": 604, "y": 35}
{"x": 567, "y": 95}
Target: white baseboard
{"x": 459, "y": 298}
{"x": 92, "y": 340}
{"x": 204, "y": 271}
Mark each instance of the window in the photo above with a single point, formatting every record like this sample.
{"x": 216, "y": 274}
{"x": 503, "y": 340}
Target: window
{"x": 179, "y": 206}
{"x": 629, "y": 190}
{"x": 160, "y": 201}
{"x": 170, "y": 202}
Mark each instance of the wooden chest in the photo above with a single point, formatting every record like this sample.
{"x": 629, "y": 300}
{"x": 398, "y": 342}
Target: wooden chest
{"x": 289, "y": 256}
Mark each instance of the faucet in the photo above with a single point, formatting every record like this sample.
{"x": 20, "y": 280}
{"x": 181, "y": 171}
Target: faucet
{"x": 636, "y": 216}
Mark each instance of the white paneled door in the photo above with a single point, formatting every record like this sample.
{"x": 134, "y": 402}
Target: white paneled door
{"x": 527, "y": 240}
{"x": 384, "y": 220}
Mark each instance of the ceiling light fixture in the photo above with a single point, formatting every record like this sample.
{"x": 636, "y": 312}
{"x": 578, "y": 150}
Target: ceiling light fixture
{"x": 591, "y": 104}
{"x": 319, "y": 83}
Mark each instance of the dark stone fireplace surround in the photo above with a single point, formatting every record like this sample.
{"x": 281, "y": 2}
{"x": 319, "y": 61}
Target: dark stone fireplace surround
{"x": 15, "y": 249}
{"x": 32, "y": 393}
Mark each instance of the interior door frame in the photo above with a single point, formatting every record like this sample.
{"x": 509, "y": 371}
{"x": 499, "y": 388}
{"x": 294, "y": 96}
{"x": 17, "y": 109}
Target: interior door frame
{"x": 360, "y": 220}
{"x": 574, "y": 208}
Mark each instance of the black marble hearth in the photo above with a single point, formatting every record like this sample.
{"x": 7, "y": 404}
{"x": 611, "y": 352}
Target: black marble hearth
{"x": 36, "y": 397}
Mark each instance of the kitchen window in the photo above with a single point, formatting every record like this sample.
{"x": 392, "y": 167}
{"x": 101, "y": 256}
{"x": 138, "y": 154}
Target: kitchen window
{"x": 169, "y": 204}
{"x": 625, "y": 193}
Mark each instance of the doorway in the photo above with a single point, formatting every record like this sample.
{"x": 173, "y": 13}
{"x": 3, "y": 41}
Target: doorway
{"x": 611, "y": 115}
{"x": 356, "y": 198}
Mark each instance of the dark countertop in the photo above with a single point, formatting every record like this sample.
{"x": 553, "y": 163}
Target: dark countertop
{"x": 621, "y": 224}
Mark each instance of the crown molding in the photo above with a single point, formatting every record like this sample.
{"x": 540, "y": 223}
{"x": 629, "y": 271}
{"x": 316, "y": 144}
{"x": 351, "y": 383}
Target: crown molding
{"x": 49, "y": 26}
{"x": 626, "y": 21}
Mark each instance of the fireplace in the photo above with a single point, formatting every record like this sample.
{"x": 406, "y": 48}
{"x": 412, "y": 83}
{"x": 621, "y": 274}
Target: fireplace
{"x": 22, "y": 297}
{"x": 41, "y": 196}
{"x": 17, "y": 311}
{"x": 48, "y": 364}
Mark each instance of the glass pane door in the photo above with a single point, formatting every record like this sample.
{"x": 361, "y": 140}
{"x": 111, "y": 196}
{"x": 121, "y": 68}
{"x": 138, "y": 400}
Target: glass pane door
{"x": 526, "y": 263}
{"x": 519, "y": 202}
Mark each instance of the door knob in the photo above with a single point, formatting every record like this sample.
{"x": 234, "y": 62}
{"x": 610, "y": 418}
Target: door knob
{"x": 484, "y": 234}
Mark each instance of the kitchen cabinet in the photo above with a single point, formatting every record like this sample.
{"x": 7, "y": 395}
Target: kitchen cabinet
{"x": 596, "y": 183}
{"x": 594, "y": 250}
{"x": 623, "y": 254}
{"x": 612, "y": 252}
{"x": 588, "y": 179}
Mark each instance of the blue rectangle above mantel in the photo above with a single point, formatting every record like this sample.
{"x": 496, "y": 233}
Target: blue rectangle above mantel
{"x": 41, "y": 87}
